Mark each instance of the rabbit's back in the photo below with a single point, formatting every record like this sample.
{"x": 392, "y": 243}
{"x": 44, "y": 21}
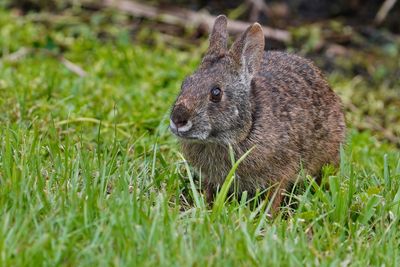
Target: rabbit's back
{"x": 296, "y": 114}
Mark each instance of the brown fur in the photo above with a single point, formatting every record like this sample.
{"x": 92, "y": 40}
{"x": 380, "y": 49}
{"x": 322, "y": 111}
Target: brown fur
{"x": 278, "y": 103}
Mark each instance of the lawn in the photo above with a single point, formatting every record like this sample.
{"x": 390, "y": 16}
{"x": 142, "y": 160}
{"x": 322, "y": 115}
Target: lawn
{"x": 91, "y": 176}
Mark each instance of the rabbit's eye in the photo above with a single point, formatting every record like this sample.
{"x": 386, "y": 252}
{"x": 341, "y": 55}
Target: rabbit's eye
{"x": 215, "y": 94}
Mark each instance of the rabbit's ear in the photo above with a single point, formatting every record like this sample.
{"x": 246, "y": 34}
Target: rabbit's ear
{"x": 248, "y": 50}
{"x": 218, "y": 37}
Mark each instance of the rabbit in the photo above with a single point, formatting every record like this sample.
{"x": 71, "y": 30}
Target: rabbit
{"x": 277, "y": 103}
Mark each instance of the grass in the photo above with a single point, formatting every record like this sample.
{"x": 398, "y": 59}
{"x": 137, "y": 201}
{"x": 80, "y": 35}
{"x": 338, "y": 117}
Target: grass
{"x": 90, "y": 175}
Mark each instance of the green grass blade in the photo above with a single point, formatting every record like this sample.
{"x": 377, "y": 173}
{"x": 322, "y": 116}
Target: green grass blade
{"x": 223, "y": 193}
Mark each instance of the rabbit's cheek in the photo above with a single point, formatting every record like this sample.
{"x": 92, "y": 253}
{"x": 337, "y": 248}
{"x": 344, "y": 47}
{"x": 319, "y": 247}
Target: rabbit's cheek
{"x": 200, "y": 136}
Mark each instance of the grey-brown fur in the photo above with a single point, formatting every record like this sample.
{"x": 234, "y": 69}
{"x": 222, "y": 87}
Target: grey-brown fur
{"x": 278, "y": 103}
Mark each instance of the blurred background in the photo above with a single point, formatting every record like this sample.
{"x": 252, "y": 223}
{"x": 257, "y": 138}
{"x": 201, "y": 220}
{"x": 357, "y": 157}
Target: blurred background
{"x": 355, "y": 42}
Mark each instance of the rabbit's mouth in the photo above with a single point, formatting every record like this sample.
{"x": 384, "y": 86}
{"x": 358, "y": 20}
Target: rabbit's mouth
{"x": 186, "y": 131}
{"x": 179, "y": 128}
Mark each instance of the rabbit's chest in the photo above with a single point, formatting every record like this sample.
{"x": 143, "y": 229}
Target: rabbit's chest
{"x": 212, "y": 161}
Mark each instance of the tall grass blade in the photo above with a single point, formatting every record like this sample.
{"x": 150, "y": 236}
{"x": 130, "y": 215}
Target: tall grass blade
{"x": 223, "y": 193}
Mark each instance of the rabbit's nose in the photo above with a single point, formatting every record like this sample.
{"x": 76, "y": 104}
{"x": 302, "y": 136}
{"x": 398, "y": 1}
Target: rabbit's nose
{"x": 180, "y": 119}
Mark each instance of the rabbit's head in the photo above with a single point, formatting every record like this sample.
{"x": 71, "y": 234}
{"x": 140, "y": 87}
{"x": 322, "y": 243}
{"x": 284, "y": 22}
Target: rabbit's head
{"x": 214, "y": 102}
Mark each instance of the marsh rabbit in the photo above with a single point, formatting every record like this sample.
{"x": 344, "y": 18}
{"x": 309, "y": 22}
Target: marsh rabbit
{"x": 243, "y": 97}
